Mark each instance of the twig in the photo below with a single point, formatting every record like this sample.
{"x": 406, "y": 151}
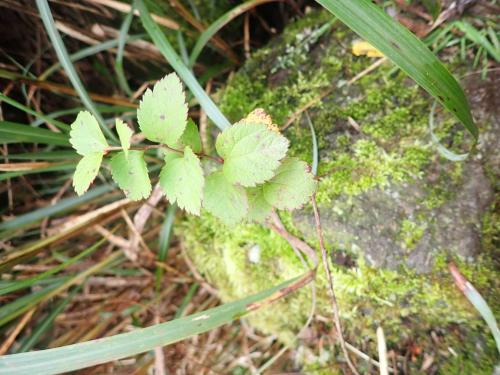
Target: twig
{"x": 246, "y": 35}
{"x": 12, "y": 337}
{"x": 125, "y": 8}
{"x": 160, "y": 367}
{"x": 197, "y": 276}
{"x": 153, "y": 147}
{"x": 371, "y": 68}
{"x": 295, "y": 242}
{"x": 367, "y": 358}
{"x": 203, "y": 121}
{"x": 326, "y": 265}
{"x": 296, "y": 245}
{"x": 133, "y": 253}
{"x": 382, "y": 352}
{"x": 143, "y": 214}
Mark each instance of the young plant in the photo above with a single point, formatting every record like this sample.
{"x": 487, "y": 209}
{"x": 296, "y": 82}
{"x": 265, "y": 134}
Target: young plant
{"x": 253, "y": 174}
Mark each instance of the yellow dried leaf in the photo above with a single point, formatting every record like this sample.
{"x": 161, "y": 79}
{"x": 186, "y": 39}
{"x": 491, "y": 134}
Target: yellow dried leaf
{"x": 363, "y": 48}
{"x": 259, "y": 116}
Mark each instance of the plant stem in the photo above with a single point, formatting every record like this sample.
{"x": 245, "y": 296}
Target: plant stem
{"x": 335, "y": 307}
{"x": 153, "y": 147}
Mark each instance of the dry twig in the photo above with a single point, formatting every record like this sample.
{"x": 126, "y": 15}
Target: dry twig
{"x": 335, "y": 307}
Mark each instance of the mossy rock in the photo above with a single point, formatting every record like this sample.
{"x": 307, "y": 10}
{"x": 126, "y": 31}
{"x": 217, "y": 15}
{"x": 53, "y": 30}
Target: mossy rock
{"x": 393, "y": 210}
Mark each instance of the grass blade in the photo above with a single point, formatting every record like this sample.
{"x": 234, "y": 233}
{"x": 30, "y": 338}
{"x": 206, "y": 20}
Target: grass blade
{"x": 12, "y": 102}
{"x": 474, "y": 35}
{"x": 11, "y": 132}
{"x": 7, "y": 312}
{"x": 222, "y": 21}
{"x": 63, "y": 205}
{"x": 122, "y": 39}
{"x": 81, "y": 355}
{"x": 165, "y": 237}
{"x": 46, "y": 323}
{"x": 448, "y": 154}
{"x": 178, "y": 65}
{"x": 10, "y": 311}
{"x": 315, "y": 149}
{"x": 52, "y": 168}
{"x": 25, "y": 283}
{"x": 45, "y": 155}
{"x": 477, "y": 301}
{"x": 185, "y": 301}
{"x": 62, "y": 54}
{"x": 406, "y": 51}
{"x": 86, "y": 52}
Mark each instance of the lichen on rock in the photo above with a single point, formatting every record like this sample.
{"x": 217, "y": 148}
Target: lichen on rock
{"x": 394, "y": 211}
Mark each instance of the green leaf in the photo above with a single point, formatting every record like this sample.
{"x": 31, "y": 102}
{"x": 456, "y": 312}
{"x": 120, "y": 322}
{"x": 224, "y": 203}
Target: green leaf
{"x": 131, "y": 174}
{"x": 182, "y": 181}
{"x": 251, "y": 153}
{"x": 191, "y": 137}
{"x": 291, "y": 187}
{"x": 86, "y": 171}
{"x": 86, "y": 136}
{"x": 223, "y": 199}
{"x": 85, "y": 354}
{"x": 406, "y": 51}
{"x": 162, "y": 113}
{"x": 124, "y": 133}
{"x": 166, "y": 49}
{"x": 258, "y": 208}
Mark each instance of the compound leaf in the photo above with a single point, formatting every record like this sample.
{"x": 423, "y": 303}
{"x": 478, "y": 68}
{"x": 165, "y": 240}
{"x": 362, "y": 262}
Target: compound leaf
{"x": 162, "y": 113}
{"x": 182, "y": 181}
{"x": 258, "y": 207}
{"x": 86, "y": 136}
{"x": 86, "y": 171}
{"x": 131, "y": 174}
{"x": 223, "y": 199}
{"x": 124, "y": 133}
{"x": 191, "y": 137}
{"x": 292, "y": 185}
{"x": 251, "y": 153}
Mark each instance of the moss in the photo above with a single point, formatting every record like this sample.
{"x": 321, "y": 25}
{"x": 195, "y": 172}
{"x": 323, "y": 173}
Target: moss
{"x": 222, "y": 255}
{"x": 403, "y": 302}
{"x": 411, "y": 233}
{"x": 391, "y": 146}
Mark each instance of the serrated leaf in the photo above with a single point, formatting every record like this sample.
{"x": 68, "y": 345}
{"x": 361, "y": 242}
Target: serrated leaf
{"x": 169, "y": 155}
{"x": 291, "y": 187}
{"x": 223, "y": 199}
{"x": 162, "y": 113}
{"x": 86, "y": 171}
{"x": 191, "y": 137}
{"x": 86, "y": 136}
{"x": 182, "y": 181}
{"x": 124, "y": 133}
{"x": 251, "y": 153}
{"x": 258, "y": 208}
{"x": 131, "y": 174}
